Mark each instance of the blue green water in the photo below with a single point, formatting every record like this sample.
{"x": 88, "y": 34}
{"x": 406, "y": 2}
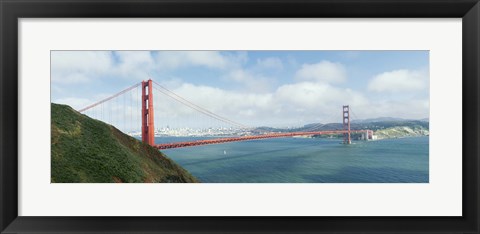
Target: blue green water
{"x": 305, "y": 160}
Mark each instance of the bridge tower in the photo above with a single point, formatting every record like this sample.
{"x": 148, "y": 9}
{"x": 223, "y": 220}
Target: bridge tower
{"x": 346, "y": 125}
{"x": 148, "y": 129}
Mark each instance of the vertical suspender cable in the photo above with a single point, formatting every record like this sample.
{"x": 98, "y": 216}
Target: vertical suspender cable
{"x": 130, "y": 107}
{"x": 138, "y": 111}
{"x": 124, "y": 115}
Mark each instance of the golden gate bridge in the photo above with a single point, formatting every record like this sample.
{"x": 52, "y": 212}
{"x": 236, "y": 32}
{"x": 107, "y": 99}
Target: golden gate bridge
{"x": 135, "y": 106}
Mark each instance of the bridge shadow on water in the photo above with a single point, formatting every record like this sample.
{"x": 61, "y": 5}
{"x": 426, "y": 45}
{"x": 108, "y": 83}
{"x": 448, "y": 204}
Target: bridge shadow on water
{"x": 249, "y": 154}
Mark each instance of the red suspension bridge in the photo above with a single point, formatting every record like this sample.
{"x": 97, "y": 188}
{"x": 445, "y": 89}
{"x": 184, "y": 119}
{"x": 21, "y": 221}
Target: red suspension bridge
{"x": 130, "y": 108}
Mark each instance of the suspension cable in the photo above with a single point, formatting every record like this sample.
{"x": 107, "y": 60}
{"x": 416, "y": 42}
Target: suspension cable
{"x": 109, "y": 98}
{"x": 196, "y": 107}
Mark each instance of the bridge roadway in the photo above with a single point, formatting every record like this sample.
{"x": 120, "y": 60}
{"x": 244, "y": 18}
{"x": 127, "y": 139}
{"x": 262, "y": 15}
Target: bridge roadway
{"x": 249, "y": 138}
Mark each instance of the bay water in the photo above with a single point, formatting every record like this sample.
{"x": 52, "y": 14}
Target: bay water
{"x": 305, "y": 160}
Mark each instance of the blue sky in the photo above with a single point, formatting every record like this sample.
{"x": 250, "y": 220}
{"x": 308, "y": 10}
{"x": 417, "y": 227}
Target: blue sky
{"x": 277, "y": 88}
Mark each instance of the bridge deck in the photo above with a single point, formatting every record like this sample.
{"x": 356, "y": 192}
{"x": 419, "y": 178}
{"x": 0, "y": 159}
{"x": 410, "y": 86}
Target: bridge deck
{"x": 249, "y": 138}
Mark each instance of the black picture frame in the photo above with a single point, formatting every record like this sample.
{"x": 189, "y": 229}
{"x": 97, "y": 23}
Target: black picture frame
{"x": 12, "y": 10}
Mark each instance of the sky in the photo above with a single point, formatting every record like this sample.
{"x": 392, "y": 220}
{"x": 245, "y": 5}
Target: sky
{"x": 255, "y": 88}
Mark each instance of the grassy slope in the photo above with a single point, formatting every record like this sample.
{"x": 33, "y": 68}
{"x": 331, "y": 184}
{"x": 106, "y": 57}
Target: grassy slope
{"x": 85, "y": 150}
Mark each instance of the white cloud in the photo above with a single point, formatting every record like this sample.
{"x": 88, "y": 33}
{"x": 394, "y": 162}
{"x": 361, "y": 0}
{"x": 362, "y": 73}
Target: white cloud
{"x": 324, "y": 71}
{"x": 133, "y": 64}
{"x": 270, "y": 63}
{"x": 75, "y": 103}
{"x": 399, "y": 81}
{"x": 253, "y": 81}
{"x": 313, "y": 98}
{"x": 210, "y": 59}
{"x": 316, "y": 102}
{"x": 237, "y": 106}
{"x": 314, "y": 95}
{"x": 220, "y": 100}
{"x": 72, "y": 67}
{"x": 81, "y": 60}
{"x": 70, "y": 78}
{"x": 408, "y": 109}
{"x": 290, "y": 104}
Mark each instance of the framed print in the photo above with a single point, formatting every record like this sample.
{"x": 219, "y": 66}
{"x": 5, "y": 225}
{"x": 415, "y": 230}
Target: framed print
{"x": 268, "y": 116}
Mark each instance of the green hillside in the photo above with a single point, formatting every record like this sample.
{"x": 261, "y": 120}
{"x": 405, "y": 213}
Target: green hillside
{"x": 85, "y": 150}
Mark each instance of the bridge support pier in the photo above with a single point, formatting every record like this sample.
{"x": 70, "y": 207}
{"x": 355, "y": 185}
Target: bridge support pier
{"x": 148, "y": 129}
{"x": 346, "y": 125}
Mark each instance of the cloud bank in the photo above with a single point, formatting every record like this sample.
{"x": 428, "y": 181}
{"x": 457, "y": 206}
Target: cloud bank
{"x": 314, "y": 92}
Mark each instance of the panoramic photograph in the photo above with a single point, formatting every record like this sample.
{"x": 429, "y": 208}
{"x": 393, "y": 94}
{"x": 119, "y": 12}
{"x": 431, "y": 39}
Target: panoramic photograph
{"x": 240, "y": 116}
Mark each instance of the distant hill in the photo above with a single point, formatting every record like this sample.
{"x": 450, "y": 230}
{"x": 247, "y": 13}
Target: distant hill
{"x": 402, "y": 131}
{"x": 386, "y": 119}
{"x": 382, "y": 127}
{"x": 84, "y": 150}
{"x": 365, "y": 125}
